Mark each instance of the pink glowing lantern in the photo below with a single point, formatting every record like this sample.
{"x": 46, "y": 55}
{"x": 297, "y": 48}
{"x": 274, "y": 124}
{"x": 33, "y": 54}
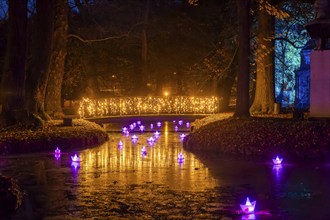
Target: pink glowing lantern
{"x": 277, "y": 160}
{"x": 248, "y": 207}
{"x": 57, "y": 151}
{"x": 75, "y": 158}
{"x": 142, "y": 128}
{"x": 176, "y": 128}
{"x": 180, "y": 157}
{"x": 187, "y": 124}
{"x": 159, "y": 124}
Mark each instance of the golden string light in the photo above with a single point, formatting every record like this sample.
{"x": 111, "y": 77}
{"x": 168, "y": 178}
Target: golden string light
{"x": 147, "y": 105}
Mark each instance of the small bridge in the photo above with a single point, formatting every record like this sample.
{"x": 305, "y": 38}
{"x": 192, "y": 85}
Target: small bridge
{"x": 147, "y": 107}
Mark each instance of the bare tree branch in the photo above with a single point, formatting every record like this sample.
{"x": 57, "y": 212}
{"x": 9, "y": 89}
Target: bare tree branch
{"x": 107, "y": 38}
{"x": 290, "y": 42}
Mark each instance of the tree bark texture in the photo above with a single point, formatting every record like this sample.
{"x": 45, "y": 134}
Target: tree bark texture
{"x": 13, "y": 78}
{"x": 41, "y": 45}
{"x": 53, "y": 100}
{"x": 264, "y": 95}
{"x": 242, "y": 101}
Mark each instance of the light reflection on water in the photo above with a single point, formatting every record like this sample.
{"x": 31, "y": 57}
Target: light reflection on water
{"x": 127, "y": 165}
{"x": 111, "y": 182}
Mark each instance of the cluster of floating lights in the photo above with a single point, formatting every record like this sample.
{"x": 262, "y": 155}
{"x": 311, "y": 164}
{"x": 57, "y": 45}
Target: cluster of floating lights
{"x": 247, "y": 209}
{"x": 147, "y": 105}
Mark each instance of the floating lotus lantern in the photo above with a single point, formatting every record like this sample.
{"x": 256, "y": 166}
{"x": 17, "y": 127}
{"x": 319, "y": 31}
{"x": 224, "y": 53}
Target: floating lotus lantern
{"x": 151, "y": 139}
{"x": 187, "y": 124}
{"x": 134, "y": 124}
{"x": 151, "y": 126}
{"x": 144, "y": 151}
{"x": 182, "y": 136}
{"x": 120, "y": 143}
{"x": 131, "y": 126}
{"x": 124, "y": 129}
{"x": 142, "y": 128}
{"x": 248, "y": 207}
{"x": 180, "y": 157}
{"x": 57, "y": 151}
{"x": 138, "y": 122}
{"x": 277, "y": 160}
{"x": 159, "y": 124}
{"x": 176, "y": 128}
{"x": 75, "y": 158}
{"x": 180, "y": 122}
{"x": 57, "y": 156}
{"x": 157, "y": 134}
{"x": 135, "y": 138}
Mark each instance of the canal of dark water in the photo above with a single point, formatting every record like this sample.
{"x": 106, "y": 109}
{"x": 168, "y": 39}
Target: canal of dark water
{"x": 125, "y": 182}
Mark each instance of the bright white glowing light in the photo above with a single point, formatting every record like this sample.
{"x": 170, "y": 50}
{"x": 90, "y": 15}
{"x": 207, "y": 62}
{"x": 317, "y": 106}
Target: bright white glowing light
{"x": 75, "y": 158}
{"x": 277, "y": 160}
{"x": 57, "y": 151}
{"x": 248, "y": 207}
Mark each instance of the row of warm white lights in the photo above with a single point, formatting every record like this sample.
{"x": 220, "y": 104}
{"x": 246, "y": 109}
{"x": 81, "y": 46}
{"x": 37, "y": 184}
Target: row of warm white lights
{"x": 147, "y": 105}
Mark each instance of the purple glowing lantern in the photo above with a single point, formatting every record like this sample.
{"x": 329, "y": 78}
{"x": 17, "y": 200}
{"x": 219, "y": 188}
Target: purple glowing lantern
{"x": 57, "y": 156}
{"x": 131, "y": 126}
{"x": 176, "y": 128}
{"x": 57, "y": 151}
{"x": 142, "y": 128}
{"x": 159, "y": 124}
{"x": 248, "y": 217}
{"x": 151, "y": 139}
{"x": 187, "y": 124}
{"x": 75, "y": 158}
{"x": 138, "y": 122}
{"x": 156, "y": 134}
{"x": 120, "y": 144}
{"x": 135, "y": 138}
{"x": 75, "y": 164}
{"x": 248, "y": 207}
{"x": 180, "y": 122}
{"x": 182, "y": 136}
{"x": 277, "y": 160}
{"x": 151, "y": 126}
{"x": 180, "y": 157}
{"x": 144, "y": 151}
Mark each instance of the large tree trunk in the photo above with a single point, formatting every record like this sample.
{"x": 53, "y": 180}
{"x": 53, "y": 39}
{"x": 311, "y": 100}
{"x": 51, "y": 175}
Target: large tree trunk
{"x": 13, "y": 78}
{"x": 264, "y": 94}
{"x": 242, "y": 101}
{"x": 41, "y": 46}
{"x": 53, "y": 100}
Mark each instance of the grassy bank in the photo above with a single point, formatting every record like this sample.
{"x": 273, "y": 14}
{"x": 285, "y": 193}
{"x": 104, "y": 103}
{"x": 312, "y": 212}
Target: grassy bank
{"x": 20, "y": 139}
{"x": 263, "y": 136}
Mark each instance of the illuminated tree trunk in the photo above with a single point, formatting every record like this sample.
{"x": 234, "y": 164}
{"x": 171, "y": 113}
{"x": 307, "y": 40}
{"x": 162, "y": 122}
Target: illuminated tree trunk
{"x": 13, "y": 78}
{"x": 242, "y": 101}
{"x": 53, "y": 100}
{"x": 37, "y": 76}
{"x": 264, "y": 94}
